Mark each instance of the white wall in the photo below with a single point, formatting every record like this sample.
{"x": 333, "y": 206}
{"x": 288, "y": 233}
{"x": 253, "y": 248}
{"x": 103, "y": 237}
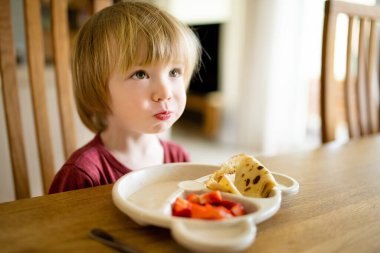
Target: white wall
{"x": 198, "y": 11}
{"x": 273, "y": 82}
{"x": 268, "y": 55}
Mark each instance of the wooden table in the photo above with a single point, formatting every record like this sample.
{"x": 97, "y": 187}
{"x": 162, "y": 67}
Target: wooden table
{"x": 336, "y": 210}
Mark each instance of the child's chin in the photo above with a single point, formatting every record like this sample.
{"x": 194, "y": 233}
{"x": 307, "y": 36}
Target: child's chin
{"x": 161, "y": 128}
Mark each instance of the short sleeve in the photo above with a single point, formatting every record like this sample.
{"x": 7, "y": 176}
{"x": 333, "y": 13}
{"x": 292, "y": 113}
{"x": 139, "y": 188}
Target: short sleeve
{"x": 70, "y": 178}
{"x": 174, "y": 153}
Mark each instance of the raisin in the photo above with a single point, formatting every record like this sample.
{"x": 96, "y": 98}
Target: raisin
{"x": 265, "y": 192}
{"x": 256, "y": 180}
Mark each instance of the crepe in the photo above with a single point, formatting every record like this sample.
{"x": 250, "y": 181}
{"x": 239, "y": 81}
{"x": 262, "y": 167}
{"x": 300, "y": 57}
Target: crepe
{"x": 252, "y": 179}
{"x": 225, "y": 184}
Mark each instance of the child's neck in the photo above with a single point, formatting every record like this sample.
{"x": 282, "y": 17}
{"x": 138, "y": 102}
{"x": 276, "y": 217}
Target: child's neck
{"x": 134, "y": 151}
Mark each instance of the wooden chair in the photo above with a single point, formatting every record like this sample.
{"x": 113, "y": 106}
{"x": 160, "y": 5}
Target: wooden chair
{"x": 360, "y": 87}
{"x": 210, "y": 106}
{"x": 36, "y": 68}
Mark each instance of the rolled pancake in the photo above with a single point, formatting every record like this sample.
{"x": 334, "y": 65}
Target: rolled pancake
{"x": 251, "y": 178}
{"x": 225, "y": 184}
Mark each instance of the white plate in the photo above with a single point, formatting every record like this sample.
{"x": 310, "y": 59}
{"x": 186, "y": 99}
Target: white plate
{"x": 146, "y": 196}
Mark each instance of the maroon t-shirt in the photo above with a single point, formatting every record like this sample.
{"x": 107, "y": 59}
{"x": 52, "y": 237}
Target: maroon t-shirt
{"x": 93, "y": 165}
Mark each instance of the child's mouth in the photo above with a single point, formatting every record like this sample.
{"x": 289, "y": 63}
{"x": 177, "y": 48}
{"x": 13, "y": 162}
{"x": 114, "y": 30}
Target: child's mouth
{"x": 165, "y": 115}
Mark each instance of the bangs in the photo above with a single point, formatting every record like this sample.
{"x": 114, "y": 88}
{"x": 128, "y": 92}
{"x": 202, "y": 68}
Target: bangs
{"x": 148, "y": 50}
{"x": 149, "y": 40}
{"x": 160, "y": 49}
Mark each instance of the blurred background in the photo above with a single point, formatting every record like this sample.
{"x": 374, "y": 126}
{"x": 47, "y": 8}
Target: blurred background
{"x": 257, "y": 91}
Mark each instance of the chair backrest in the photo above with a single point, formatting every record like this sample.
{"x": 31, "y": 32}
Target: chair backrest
{"x": 360, "y": 87}
{"x": 36, "y": 69}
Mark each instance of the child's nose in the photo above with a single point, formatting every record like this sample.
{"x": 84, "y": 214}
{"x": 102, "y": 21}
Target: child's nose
{"x": 162, "y": 91}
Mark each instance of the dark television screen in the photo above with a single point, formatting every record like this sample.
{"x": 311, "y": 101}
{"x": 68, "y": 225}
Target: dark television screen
{"x": 207, "y": 78}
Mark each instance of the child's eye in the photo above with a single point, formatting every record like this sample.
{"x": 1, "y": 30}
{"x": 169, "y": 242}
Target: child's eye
{"x": 140, "y": 74}
{"x": 175, "y": 72}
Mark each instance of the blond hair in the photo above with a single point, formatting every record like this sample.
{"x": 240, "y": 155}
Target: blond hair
{"x": 113, "y": 38}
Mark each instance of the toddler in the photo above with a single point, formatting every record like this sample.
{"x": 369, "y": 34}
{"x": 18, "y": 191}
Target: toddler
{"x": 132, "y": 63}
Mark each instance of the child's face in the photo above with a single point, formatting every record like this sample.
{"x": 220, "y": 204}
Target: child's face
{"x": 147, "y": 99}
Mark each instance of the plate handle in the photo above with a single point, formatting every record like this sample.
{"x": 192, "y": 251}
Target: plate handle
{"x": 209, "y": 236}
{"x": 287, "y": 185}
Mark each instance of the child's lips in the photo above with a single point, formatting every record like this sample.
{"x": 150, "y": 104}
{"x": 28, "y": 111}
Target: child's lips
{"x": 165, "y": 115}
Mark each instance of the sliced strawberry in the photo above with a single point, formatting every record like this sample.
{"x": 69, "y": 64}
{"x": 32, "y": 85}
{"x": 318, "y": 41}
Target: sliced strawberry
{"x": 209, "y": 212}
{"x": 181, "y": 208}
{"x": 206, "y": 206}
{"x": 237, "y": 210}
{"x": 227, "y": 204}
{"x": 213, "y": 197}
{"x": 193, "y": 198}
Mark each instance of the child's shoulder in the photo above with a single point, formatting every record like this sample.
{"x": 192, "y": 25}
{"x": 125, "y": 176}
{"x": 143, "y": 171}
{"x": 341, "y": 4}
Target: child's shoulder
{"x": 174, "y": 152}
{"x": 172, "y": 145}
{"x": 90, "y": 152}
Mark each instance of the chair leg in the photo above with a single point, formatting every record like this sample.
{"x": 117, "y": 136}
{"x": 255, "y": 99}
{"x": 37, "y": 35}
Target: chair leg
{"x": 212, "y": 114}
